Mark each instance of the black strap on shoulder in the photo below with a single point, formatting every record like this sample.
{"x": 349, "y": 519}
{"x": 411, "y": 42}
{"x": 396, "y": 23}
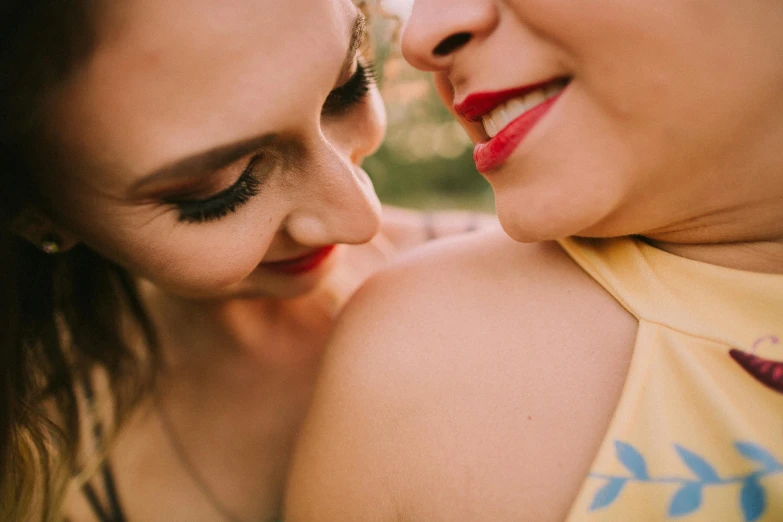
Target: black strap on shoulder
{"x": 113, "y": 512}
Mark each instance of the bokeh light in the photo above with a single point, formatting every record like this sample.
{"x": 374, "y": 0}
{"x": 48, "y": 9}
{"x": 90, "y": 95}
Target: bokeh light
{"x": 426, "y": 160}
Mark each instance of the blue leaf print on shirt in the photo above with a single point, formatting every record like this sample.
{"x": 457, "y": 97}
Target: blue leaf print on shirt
{"x": 608, "y": 493}
{"x": 688, "y": 496}
{"x": 757, "y": 453}
{"x": 686, "y": 500}
{"x": 700, "y": 467}
{"x": 753, "y": 499}
{"x": 631, "y": 459}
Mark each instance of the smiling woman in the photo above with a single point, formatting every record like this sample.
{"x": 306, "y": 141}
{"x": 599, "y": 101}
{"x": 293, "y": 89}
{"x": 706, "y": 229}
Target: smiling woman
{"x": 615, "y": 355}
{"x": 184, "y": 213}
{"x": 188, "y": 132}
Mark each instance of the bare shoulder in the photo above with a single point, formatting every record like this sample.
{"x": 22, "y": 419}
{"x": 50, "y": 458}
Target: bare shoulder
{"x": 449, "y": 373}
{"x": 463, "y": 274}
{"x": 407, "y": 228}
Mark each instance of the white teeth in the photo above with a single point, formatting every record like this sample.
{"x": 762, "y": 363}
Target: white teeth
{"x": 498, "y": 119}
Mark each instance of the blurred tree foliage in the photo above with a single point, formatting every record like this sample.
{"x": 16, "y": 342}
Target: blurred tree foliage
{"x": 426, "y": 160}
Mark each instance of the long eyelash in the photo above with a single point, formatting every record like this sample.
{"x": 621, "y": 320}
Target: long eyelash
{"x": 340, "y": 100}
{"x": 224, "y": 202}
{"x": 371, "y": 71}
{"x": 352, "y": 92}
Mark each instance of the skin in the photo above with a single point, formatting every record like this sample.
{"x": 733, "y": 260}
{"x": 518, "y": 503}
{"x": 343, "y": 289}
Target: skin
{"x": 492, "y": 401}
{"x": 169, "y": 82}
{"x": 150, "y": 98}
{"x": 622, "y": 103}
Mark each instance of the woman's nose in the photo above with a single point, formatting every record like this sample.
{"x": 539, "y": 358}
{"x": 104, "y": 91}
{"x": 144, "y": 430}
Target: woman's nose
{"x": 438, "y": 29}
{"x": 336, "y": 204}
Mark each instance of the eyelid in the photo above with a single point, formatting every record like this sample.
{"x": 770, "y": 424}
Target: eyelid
{"x": 348, "y": 95}
{"x": 198, "y": 210}
{"x": 207, "y": 182}
{"x": 349, "y": 73}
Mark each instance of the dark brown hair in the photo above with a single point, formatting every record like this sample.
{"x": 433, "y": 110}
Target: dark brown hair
{"x": 66, "y": 317}
{"x": 62, "y": 317}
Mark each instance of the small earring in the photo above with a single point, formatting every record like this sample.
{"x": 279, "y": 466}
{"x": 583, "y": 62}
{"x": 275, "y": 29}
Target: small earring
{"x": 51, "y": 244}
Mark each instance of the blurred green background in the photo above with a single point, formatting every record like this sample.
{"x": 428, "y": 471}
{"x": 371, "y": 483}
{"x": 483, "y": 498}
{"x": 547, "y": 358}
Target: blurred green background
{"x": 426, "y": 160}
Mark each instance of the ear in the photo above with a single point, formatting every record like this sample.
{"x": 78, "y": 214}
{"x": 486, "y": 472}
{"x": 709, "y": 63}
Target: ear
{"x": 41, "y": 231}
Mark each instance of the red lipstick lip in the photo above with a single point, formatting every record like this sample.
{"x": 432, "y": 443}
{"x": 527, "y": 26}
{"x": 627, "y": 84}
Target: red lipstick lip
{"x": 477, "y": 105}
{"x": 301, "y": 264}
{"x": 493, "y": 153}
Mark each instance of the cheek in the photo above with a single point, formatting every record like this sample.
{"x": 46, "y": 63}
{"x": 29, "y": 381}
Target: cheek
{"x": 657, "y": 96}
{"x": 359, "y": 133}
{"x": 369, "y": 126}
{"x": 378, "y": 116}
{"x": 193, "y": 260}
{"x": 188, "y": 267}
{"x": 570, "y": 175}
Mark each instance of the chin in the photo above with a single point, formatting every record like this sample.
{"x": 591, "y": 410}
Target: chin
{"x": 526, "y": 221}
{"x": 270, "y": 290}
{"x": 530, "y": 233}
{"x": 264, "y": 285}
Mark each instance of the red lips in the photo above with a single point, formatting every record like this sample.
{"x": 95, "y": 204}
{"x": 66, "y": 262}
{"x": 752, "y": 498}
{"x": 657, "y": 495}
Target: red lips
{"x": 302, "y": 264}
{"x": 478, "y": 105}
{"x": 494, "y": 152}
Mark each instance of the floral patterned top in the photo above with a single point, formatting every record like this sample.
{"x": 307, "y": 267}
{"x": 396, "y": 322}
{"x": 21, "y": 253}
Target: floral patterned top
{"x": 698, "y": 432}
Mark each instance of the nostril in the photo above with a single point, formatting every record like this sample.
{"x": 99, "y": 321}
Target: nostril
{"x": 451, "y": 44}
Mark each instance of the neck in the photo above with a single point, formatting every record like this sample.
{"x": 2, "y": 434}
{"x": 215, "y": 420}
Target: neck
{"x": 755, "y": 256}
{"x": 238, "y": 335}
{"x": 240, "y": 370}
{"x": 740, "y": 240}
{"x": 740, "y": 236}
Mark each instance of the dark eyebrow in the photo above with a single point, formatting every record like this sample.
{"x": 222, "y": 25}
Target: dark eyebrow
{"x": 358, "y": 30}
{"x": 224, "y": 155}
{"x": 207, "y": 161}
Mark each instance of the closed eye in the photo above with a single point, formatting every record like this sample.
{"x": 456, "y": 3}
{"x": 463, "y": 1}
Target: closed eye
{"x": 224, "y": 202}
{"x": 351, "y": 93}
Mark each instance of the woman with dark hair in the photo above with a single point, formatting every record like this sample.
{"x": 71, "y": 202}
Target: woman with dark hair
{"x": 183, "y": 213}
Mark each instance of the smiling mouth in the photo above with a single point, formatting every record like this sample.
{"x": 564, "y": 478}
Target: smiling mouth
{"x": 508, "y": 117}
{"x": 505, "y": 113}
{"x": 301, "y": 264}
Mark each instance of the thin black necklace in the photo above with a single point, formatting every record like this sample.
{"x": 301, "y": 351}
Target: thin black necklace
{"x": 187, "y": 464}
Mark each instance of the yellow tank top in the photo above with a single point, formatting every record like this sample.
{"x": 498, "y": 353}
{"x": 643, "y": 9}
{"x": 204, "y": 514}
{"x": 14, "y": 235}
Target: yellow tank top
{"x": 698, "y": 432}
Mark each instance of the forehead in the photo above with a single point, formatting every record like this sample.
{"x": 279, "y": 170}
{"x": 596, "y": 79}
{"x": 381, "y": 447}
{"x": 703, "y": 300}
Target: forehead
{"x": 173, "y": 77}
